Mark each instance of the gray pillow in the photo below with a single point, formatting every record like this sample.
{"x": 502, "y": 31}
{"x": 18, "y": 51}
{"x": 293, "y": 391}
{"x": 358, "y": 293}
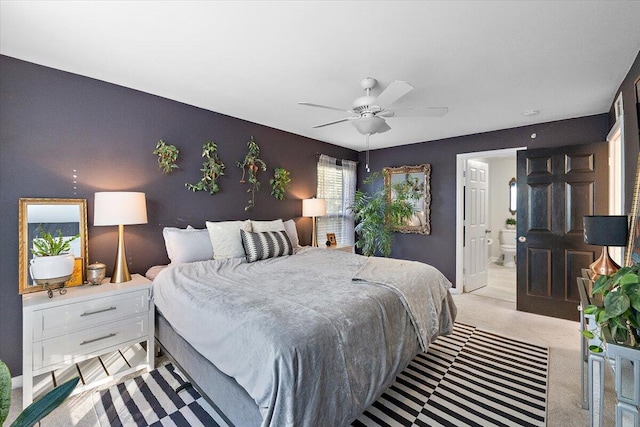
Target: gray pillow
{"x": 187, "y": 245}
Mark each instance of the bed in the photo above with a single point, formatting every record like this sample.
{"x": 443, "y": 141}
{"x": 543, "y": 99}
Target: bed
{"x": 303, "y": 340}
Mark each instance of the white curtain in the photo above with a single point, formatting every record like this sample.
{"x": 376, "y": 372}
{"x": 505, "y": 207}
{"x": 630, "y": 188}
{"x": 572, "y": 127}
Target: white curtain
{"x": 337, "y": 185}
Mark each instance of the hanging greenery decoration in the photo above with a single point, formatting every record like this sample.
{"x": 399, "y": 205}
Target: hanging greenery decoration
{"x": 279, "y": 182}
{"x": 212, "y": 169}
{"x": 167, "y": 156}
{"x": 251, "y": 165}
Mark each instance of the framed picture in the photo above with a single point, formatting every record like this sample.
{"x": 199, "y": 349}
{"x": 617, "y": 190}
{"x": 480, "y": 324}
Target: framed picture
{"x": 77, "y": 275}
{"x": 632, "y": 255}
{"x": 331, "y": 238}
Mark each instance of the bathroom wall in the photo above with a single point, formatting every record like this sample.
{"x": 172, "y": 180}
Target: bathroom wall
{"x": 501, "y": 170}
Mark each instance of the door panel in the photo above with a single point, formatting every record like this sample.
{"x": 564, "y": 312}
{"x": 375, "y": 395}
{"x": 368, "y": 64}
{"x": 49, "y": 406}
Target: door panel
{"x": 475, "y": 254}
{"x": 557, "y": 188}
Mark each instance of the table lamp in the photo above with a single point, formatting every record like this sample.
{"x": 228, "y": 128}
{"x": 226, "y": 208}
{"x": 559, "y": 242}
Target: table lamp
{"x": 605, "y": 231}
{"x": 313, "y": 208}
{"x": 120, "y": 208}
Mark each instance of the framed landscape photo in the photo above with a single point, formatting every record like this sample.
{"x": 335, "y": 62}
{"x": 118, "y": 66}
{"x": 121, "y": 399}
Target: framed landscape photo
{"x": 331, "y": 238}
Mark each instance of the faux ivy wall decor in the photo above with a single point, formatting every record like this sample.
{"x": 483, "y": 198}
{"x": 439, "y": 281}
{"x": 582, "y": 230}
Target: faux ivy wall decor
{"x": 279, "y": 182}
{"x": 251, "y": 165}
{"x": 167, "y": 156}
{"x": 212, "y": 169}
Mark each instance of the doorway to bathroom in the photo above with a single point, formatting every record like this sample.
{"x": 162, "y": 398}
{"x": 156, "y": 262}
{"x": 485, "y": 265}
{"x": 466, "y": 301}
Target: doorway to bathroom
{"x": 485, "y": 257}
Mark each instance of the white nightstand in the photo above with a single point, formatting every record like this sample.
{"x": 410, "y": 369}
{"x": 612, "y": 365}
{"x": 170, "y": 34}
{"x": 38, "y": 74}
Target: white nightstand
{"x": 86, "y": 322}
{"x": 342, "y": 248}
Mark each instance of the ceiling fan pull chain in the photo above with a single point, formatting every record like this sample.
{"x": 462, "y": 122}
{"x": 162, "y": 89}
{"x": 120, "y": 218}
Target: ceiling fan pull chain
{"x": 367, "y": 163}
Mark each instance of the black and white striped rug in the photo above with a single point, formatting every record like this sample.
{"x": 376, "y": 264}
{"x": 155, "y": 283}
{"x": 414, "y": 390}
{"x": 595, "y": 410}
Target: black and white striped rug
{"x": 468, "y": 378}
{"x": 151, "y": 400}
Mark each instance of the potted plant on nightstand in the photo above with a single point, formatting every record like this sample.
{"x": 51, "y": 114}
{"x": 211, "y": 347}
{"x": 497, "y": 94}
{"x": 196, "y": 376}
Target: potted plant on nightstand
{"x": 52, "y": 263}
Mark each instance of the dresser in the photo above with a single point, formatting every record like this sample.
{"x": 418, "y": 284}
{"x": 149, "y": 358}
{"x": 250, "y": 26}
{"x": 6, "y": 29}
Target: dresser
{"x": 86, "y": 322}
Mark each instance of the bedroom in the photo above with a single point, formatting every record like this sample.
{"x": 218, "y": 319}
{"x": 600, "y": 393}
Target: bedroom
{"x": 55, "y": 125}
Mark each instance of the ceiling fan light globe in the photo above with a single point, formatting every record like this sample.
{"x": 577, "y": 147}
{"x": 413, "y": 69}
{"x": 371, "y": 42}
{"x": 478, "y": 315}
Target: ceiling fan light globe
{"x": 369, "y": 124}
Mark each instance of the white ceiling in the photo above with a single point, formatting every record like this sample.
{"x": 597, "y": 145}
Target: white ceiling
{"x": 488, "y": 61}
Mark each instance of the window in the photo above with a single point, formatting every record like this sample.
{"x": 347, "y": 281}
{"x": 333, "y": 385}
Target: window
{"x": 337, "y": 186}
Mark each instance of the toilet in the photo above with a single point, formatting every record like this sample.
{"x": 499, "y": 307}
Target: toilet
{"x": 508, "y": 247}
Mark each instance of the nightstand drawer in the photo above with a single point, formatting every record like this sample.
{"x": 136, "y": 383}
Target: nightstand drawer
{"x": 67, "y": 318}
{"x": 89, "y": 341}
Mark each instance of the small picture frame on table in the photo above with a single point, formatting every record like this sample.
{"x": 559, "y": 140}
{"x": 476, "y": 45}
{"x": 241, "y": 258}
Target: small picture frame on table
{"x": 77, "y": 276}
{"x": 331, "y": 239}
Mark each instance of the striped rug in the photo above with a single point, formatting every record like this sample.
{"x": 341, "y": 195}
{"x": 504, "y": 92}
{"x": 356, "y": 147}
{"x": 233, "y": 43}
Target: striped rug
{"x": 468, "y": 378}
{"x": 150, "y": 400}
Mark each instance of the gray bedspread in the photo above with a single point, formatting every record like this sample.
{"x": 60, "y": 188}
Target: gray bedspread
{"x": 311, "y": 346}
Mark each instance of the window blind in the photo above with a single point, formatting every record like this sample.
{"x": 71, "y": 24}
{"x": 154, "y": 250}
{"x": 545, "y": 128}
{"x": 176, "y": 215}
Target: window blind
{"x": 337, "y": 186}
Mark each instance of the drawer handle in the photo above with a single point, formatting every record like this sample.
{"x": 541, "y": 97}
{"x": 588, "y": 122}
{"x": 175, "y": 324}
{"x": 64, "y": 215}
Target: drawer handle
{"x": 89, "y": 313}
{"x": 97, "y": 339}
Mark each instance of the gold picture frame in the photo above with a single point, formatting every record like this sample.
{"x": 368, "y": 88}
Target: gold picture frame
{"x": 48, "y": 211}
{"x": 415, "y": 179}
{"x": 632, "y": 254}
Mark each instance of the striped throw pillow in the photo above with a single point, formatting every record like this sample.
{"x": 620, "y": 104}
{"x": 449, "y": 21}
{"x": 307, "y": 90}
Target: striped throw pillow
{"x": 267, "y": 244}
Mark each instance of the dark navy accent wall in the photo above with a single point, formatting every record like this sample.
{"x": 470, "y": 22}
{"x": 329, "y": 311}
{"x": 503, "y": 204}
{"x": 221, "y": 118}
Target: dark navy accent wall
{"x": 438, "y": 248}
{"x": 54, "y": 125}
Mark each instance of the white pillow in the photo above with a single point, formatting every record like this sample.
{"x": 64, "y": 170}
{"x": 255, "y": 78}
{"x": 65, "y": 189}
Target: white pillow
{"x": 187, "y": 245}
{"x": 292, "y": 232}
{"x": 262, "y": 226}
{"x": 225, "y": 238}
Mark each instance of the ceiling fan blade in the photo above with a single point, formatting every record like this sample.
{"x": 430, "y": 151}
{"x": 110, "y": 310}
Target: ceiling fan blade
{"x": 418, "y": 112}
{"x": 392, "y": 93}
{"x": 385, "y": 127}
{"x": 309, "y": 104}
{"x": 333, "y": 122}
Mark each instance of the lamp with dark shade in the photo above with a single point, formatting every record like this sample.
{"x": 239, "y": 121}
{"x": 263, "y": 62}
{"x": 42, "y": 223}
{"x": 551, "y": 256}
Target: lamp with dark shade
{"x": 605, "y": 231}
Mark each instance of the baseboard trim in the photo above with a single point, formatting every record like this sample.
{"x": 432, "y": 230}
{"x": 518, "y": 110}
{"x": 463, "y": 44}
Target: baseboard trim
{"x": 16, "y": 382}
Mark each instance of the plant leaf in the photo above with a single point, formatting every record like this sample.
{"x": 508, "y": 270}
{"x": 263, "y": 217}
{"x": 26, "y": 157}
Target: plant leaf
{"x": 595, "y": 349}
{"x": 5, "y": 392}
{"x": 616, "y": 303}
{"x": 588, "y": 334}
{"x": 47, "y": 403}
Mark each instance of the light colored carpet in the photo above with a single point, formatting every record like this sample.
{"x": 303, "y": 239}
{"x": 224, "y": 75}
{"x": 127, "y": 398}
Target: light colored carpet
{"x": 490, "y": 314}
{"x": 501, "y": 283}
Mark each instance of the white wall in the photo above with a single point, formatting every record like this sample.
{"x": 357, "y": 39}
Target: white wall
{"x": 501, "y": 170}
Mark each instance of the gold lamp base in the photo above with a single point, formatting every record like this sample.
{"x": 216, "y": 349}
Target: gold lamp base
{"x": 603, "y": 266}
{"x": 120, "y": 268}
{"x": 314, "y": 237}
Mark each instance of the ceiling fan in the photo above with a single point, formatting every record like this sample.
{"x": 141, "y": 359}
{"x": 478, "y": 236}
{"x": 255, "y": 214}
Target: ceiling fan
{"x": 369, "y": 111}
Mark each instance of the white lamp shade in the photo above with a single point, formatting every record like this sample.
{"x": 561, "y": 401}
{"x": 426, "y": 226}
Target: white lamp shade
{"x": 119, "y": 208}
{"x": 313, "y": 207}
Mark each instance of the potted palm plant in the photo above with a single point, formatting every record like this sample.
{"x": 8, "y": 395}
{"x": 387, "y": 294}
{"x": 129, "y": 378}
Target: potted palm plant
{"x": 377, "y": 216}
{"x": 52, "y": 263}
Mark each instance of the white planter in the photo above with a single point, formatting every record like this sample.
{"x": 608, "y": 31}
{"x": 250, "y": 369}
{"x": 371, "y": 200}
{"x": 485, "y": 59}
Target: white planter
{"x": 510, "y": 226}
{"x": 51, "y": 269}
